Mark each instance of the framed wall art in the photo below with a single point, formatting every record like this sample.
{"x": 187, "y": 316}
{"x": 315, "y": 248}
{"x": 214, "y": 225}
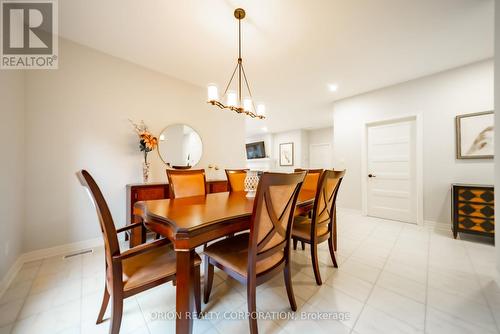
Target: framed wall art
{"x": 286, "y": 154}
{"x": 475, "y": 135}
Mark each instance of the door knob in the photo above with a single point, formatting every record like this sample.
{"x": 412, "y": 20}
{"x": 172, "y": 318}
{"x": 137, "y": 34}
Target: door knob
{"x": 371, "y": 175}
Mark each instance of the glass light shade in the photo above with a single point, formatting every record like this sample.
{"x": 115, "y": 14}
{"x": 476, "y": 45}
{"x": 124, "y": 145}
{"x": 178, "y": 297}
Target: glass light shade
{"x": 261, "y": 110}
{"x": 247, "y": 104}
{"x": 213, "y": 94}
{"x": 232, "y": 98}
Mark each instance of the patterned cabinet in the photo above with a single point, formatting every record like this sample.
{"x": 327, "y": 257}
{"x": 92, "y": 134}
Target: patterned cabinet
{"x": 473, "y": 209}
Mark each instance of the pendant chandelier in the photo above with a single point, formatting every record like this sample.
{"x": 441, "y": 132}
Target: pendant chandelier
{"x": 234, "y": 99}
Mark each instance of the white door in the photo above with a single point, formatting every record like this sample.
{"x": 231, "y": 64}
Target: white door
{"x": 320, "y": 156}
{"x": 391, "y": 171}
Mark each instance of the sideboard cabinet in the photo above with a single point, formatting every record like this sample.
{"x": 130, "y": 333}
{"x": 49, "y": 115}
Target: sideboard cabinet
{"x": 151, "y": 191}
{"x": 473, "y": 209}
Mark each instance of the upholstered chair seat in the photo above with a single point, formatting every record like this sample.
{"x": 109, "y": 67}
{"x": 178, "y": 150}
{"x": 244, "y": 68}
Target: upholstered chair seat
{"x": 302, "y": 228}
{"x": 150, "y": 267}
{"x": 232, "y": 253}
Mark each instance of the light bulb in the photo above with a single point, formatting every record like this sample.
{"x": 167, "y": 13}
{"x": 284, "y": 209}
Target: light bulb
{"x": 232, "y": 98}
{"x": 261, "y": 110}
{"x": 333, "y": 87}
{"x": 247, "y": 104}
{"x": 213, "y": 94}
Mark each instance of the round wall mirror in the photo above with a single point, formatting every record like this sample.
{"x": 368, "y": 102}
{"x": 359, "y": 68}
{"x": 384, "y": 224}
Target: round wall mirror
{"x": 180, "y": 146}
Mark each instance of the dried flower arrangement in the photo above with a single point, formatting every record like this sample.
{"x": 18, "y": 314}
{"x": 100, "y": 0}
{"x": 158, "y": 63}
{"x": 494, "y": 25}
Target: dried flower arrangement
{"x": 147, "y": 143}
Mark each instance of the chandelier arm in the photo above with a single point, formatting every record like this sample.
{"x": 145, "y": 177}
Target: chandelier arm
{"x": 246, "y": 82}
{"x": 253, "y": 105}
{"x": 230, "y": 80}
{"x": 249, "y": 92}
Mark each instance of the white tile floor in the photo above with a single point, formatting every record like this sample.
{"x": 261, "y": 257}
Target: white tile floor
{"x": 392, "y": 278}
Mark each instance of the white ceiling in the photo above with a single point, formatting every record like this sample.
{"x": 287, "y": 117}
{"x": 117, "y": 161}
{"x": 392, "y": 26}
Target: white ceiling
{"x": 292, "y": 49}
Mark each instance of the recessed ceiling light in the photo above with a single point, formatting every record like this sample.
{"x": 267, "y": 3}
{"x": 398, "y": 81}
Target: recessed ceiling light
{"x": 264, "y": 129}
{"x": 333, "y": 87}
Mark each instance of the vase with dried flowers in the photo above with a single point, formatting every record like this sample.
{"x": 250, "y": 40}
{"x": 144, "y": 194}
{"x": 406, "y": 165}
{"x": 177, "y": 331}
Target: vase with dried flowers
{"x": 147, "y": 143}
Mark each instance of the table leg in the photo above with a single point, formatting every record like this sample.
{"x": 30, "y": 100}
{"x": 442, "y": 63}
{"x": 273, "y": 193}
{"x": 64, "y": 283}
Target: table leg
{"x": 185, "y": 292}
{"x": 138, "y": 234}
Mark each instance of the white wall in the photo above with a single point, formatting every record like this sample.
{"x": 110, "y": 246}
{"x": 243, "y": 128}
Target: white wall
{"x": 269, "y": 162}
{"x": 301, "y": 138}
{"x": 497, "y": 122}
{"x": 272, "y": 143}
{"x": 76, "y": 117}
{"x": 268, "y": 142}
{"x": 438, "y": 98}
{"x": 11, "y": 168}
{"x": 297, "y": 138}
{"x": 321, "y": 136}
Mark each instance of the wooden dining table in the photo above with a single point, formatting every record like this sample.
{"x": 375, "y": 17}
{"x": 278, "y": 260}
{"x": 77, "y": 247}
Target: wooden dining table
{"x": 193, "y": 221}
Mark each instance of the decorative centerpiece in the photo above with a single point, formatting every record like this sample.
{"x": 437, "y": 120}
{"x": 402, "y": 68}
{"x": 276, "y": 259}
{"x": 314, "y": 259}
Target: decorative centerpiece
{"x": 251, "y": 182}
{"x": 147, "y": 143}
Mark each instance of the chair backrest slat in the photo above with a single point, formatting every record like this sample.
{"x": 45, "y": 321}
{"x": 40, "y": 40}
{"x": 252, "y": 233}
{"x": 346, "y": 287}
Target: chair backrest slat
{"x": 186, "y": 183}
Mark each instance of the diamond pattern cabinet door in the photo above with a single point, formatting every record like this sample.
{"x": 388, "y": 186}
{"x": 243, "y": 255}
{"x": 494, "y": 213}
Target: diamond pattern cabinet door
{"x": 487, "y": 196}
{"x": 476, "y": 195}
{"x": 473, "y": 209}
{"x": 476, "y": 224}
{"x": 487, "y": 211}
{"x": 476, "y": 210}
{"x": 488, "y": 226}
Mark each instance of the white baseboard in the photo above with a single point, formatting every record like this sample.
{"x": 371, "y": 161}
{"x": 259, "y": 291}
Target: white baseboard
{"x": 349, "y": 210}
{"x": 437, "y": 225}
{"x": 427, "y": 223}
{"x": 60, "y": 250}
{"x": 9, "y": 276}
{"x": 43, "y": 254}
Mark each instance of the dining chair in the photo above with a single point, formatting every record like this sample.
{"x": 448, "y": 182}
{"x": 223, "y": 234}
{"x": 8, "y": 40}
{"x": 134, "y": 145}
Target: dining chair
{"x": 323, "y": 225}
{"x": 186, "y": 183}
{"x": 236, "y": 179}
{"x": 311, "y": 180}
{"x": 310, "y": 184}
{"x": 255, "y": 257}
{"x": 135, "y": 270}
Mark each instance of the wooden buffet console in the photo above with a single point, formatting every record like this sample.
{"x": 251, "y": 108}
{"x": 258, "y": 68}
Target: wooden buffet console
{"x": 151, "y": 191}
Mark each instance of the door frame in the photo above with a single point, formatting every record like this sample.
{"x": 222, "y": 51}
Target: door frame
{"x": 418, "y": 161}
